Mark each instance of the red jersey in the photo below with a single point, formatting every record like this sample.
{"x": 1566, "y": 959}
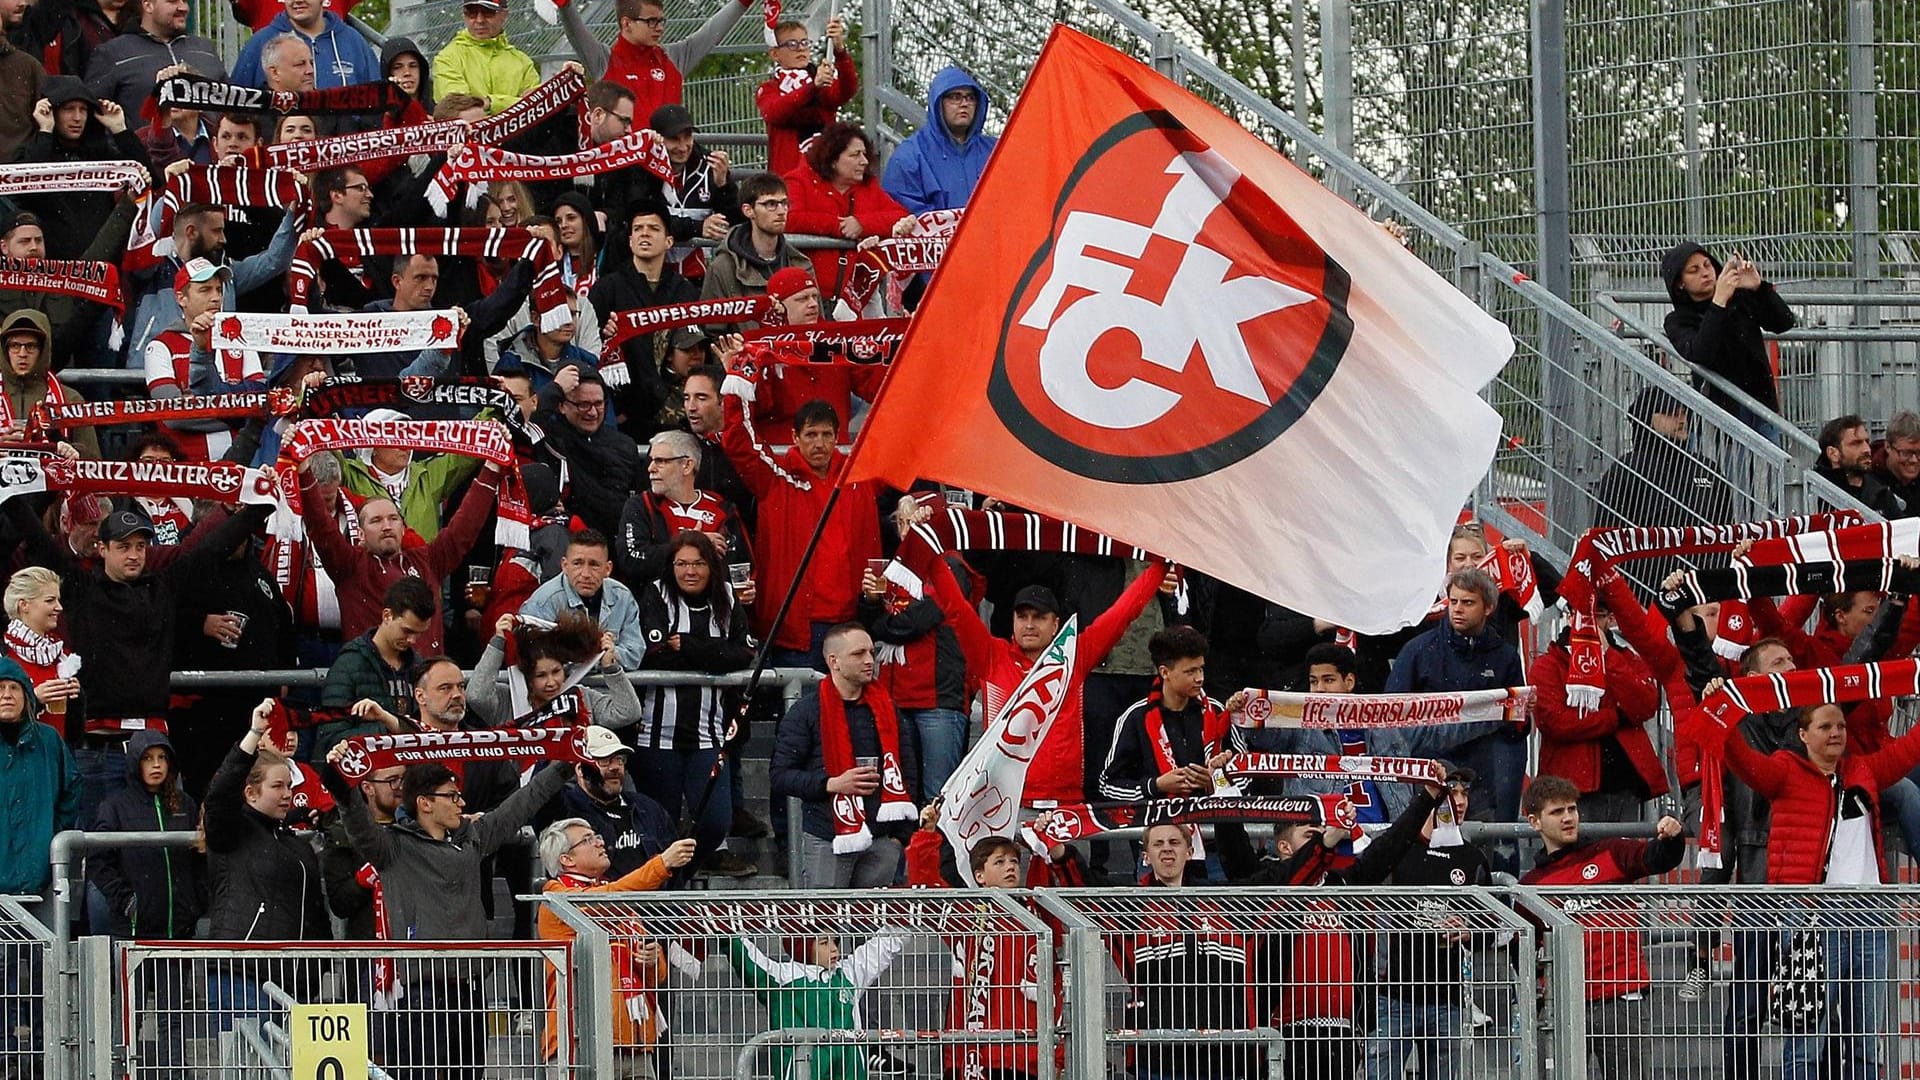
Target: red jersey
{"x": 168, "y": 357}
{"x": 1616, "y": 946}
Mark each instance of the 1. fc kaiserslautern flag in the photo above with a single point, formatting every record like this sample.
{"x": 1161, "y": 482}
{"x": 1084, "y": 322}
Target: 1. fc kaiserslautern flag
{"x": 1151, "y": 324}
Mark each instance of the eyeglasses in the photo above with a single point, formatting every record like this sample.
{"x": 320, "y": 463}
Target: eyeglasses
{"x": 694, "y": 565}
{"x": 590, "y": 838}
{"x": 773, "y": 204}
{"x": 456, "y": 796}
{"x": 361, "y": 186}
{"x": 1909, "y": 455}
{"x": 587, "y": 406}
{"x": 664, "y": 460}
{"x": 393, "y": 783}
{"x": 656, "y": 21}
{"x": 796, "y": 43}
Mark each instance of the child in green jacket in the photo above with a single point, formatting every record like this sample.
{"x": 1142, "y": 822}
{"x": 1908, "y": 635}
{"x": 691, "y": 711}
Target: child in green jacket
{"x": 822, "y": 994}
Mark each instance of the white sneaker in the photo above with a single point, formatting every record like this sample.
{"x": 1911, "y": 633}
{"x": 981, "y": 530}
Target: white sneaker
{"x": 523, "y": 1022}
{"x": 1695, "y": 987}
{"x": 1479, "y": 1017}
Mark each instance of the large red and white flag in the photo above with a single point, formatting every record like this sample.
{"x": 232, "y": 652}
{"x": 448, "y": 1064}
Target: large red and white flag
{"x": 1153, "y": 325}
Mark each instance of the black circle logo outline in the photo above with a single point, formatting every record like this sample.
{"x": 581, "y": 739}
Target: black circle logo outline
{"x": 1186, "y": 464}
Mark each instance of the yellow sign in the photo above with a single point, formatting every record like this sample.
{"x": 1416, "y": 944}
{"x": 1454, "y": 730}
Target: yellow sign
{"x": 329, "y": 1042}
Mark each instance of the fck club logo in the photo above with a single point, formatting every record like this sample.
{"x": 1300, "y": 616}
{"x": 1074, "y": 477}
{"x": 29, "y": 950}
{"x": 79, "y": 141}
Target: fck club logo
{"x": 1175, "y": 319}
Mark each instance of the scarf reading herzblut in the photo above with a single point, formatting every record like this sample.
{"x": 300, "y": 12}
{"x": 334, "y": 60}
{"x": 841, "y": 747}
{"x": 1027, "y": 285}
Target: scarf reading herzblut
{"x": 1598, "y": 553}
{"x": 549, "y": 295}
{"x": 81, "y": 279}
{"x": 367, "y": 753}
{"x": 484, "y": 439}
{"x": 849, "y": 812}
{"x": 1716, "y": 718}
{"x": 214, "y": 95}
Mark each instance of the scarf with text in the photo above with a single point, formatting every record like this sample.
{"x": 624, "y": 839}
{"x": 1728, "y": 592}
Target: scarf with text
{"x": 477, "y": 162}
{"x": 189, "y": 91}
{"x": 223, "y": 482}
{"x": 1513, "y": 572}
{"x": 861, "y": 341}
{"x": 56, "y": 415}
{"x": 1214, "y": 724}
{"x": 1327, "y": 712}
{"x": 568, "y": 709}
{"x": 80, "y": 279}
{"x": 330, "y": 335}
{"x": 850, "y": 832}
{"x": 640, "y": 322}
{"x": 1078, "y": 821}
{"x": 954, "y": 529}
{"x": 40, "y": 177}
{"x": 1338, "y": 767}
{"x": 549, "y": 296}
{"x": 387, "y": 988}
{"x": 368, "y": 753}
{"x": 1716, "y": 718}
{"x": 407, "y": 392}
{"x": 893, "y": 262}
{"x": 1598, "y": 553}
{"x": 484, "y": 439}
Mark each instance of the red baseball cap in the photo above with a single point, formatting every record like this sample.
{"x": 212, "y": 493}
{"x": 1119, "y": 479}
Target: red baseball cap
{"x": 789, "y": 280}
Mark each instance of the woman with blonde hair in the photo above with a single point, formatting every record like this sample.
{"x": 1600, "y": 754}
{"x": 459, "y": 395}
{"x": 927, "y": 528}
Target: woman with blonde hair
{"x": 33, "y": 640}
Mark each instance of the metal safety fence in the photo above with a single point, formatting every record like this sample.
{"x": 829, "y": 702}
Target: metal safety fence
{"x": 440, "y": 1009}
{"x": 30, "y": 1038}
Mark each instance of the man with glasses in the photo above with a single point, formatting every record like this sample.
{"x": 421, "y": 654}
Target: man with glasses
{"x": 482, "y": 62}
{"x": 603, "y": 464}
{"x": 757, "y": 248}
{"x": 671, "y": 505}
{"x": 430, "y": 879}
{"x": 802, "y": 97}
{"x": 638, "y": 61}
{"x": 1901, "y": 471}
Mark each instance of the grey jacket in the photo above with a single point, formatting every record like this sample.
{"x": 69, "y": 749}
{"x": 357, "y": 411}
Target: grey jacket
{"x": 490, "y": 699}
{"x": 432, "y": 887}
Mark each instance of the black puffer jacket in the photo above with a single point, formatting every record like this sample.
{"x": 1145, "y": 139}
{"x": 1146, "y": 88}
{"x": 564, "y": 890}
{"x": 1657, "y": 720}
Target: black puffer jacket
{"x": 1725, "y": 340}
{"x": 603, "y": 466}
{"x": 152, "y": 892}
{"x": 265, "y": 878}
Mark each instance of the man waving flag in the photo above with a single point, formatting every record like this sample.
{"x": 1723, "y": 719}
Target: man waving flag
{"x": 1151, "y": 324}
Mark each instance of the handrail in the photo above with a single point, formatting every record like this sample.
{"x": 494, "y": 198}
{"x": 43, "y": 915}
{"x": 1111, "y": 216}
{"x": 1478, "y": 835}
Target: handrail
{"x": 805, "y": 1039}
{"x": 221, "y": 680}
{"x": 1805, "y": 299}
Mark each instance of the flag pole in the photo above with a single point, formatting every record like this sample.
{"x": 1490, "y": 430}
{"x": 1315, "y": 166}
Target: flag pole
{"x": 760, "y": 658}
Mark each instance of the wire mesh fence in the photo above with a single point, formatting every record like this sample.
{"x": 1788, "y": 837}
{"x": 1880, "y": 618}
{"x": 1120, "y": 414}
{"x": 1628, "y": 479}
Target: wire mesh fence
{"x": 929, "y": 982}
{"x": 1741, "y": 981}
{"x": 28, "y": 969}
{"x": 1299, "y": 982}
{"x": 222, "y": 1009}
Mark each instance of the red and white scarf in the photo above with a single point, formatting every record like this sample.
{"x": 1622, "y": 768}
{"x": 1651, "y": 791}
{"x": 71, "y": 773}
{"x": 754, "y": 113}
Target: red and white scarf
{"x": 643, "y": 149}
{"x": 639, "y": 322}
{"x": 862, "y": 341}
{"x": 484, "y": 439}
{"x": 364, "y": 332}
{"x": 1714, "y": 721}
{"x": 1338, "y": 767}
{"x": 895, "y": 260}
{"x": 84, "y": 280}
{"x": 407, "y": 392}
{"x": 32, "y": 648}
{"x": 1327, "y": 712}
{"x": 1882, "y": 540}
{"x": 387, "y": 988}
{"x": 40, "y": 177}
{"x": 199, "y": 92}
{"x": 953, "y": 529}
{"x": 220, "y": 482}
{"x": 1599, "y": 551}
{"x": 1077, "y": 821}
{"x": 367, "y": 753}
{"x": 356, "y": 245}
{"x": 50, "y": 414}
{"x": 56, "y": 394}
{"x": 1513, "y": 572}
{"x": 229, "y": 185}
{"x": 850, "y": 832}
{"x": 1214, "y": 724}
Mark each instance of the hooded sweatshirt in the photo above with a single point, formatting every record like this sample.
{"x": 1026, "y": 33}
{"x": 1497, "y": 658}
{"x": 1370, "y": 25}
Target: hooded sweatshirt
{"x": 397, "y": 47}
{"x": 152, "y": 892}
{"x": 126, "y": 68}
{"x": 738, "y": 270}
{"x": 341, "y": 57}
{"x": 72, "y": 219}
{"x": 1725, "y": 340}
{"x": 23, "y": 392}
{"x": 42, "y": 786}
{"x": 931, "y": 171}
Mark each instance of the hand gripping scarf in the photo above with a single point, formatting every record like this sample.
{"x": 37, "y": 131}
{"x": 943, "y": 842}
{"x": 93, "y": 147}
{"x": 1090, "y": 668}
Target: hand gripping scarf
{"x": 330, "y": 335}
{"x": 1599, "y": 552}
{"x": 862, "y": 341}
{"x": 41, "y": 177}
{"x": 223, "y": 482}
{"x": 643, "y": 148}
{"x": 188, "y": 91}
{"x": 1717, "y": 717}
{"x": 549, "y": 295}
{"x": 368, "y": 753}
{"x": 483, "y": 439}
{"x": 1065, "y": 824}
{"x": 1326, "y": 712}
{"x": 83, "y": 280}
{"x": 411, "y": 391}
{"x": 850, "y": 832}
{"x": 1513, "y": 572}
{"x": 229, "y": 185}
{"x": 894, "y": 261}
{"x": 640, "y": 322}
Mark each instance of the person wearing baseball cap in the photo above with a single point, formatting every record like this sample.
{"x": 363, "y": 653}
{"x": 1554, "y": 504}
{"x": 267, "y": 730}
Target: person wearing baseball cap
{"x": 199, "y": 289}
{"x": 27, "y": 336}
{"x": 789, "y": 381}
{"x": 482, "y": 62}
{"x": 702, "y": 192}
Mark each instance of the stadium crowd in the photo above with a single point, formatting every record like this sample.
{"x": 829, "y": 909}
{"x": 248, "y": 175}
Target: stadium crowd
{"x": 673, "y": 488}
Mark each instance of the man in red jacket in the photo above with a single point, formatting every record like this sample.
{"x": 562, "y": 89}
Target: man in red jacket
{"x": 802, "y": 96}
{"x": 637, "y": 60}
{"x": 362, "y": 574}
{"x": 1616, "y": 947}
{"x": 1605, "y": 751}
{"x": 1058, "y": 770}
{"x": 791, "y": 491}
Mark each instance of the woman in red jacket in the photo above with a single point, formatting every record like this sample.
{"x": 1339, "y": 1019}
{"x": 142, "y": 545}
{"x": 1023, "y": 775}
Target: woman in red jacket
{"x": 835, "y": 194}
{"x": 1826, "y": 831}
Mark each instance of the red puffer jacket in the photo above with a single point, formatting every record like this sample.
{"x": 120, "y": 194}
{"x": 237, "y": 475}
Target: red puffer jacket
{"x": 1571, "y": 741}
{"x": 1803, "y": 800}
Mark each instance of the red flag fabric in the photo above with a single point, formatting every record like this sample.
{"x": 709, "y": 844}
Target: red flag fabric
{"x": 1153, "y": 325}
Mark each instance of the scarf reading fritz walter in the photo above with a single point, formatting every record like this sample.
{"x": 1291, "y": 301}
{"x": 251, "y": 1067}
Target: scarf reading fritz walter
{"x": 1598, "y": 553}
{"x": 223, "y": 481}
{"x": 484, "y": 439}
{"x": 1716, "y": 719}
{"x": 549, "y": 295}
{"x": 850, "y": 832}
{"x": 212, "y": 95}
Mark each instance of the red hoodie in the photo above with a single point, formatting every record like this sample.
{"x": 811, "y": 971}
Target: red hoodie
{"x": 791, "y": 498}
{"x": 1058, "y": 767}
{"x": 795, "y": 107}
{"x": 1615, "y": 944}
{"x": 647, "y": 71}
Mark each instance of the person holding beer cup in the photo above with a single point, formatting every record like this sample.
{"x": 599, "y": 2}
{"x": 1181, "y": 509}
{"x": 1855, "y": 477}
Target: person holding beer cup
{"x": 32, "y": 639}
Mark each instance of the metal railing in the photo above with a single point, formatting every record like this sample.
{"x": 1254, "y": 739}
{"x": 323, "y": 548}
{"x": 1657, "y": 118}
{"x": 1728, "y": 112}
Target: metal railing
{"x": 32, "y": 1023}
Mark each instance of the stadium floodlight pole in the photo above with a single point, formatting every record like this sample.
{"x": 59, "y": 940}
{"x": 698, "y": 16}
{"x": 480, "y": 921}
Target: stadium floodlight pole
{"x": 760, "y": 658}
